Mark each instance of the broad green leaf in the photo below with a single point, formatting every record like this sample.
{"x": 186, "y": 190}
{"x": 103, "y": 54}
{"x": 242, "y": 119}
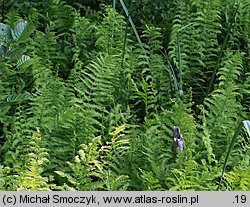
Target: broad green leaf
{"x": 4, "y": 30}
{"x": 22, "y": 60}
{"x": 18, "y": 30}
{"x": 19, "y": 97}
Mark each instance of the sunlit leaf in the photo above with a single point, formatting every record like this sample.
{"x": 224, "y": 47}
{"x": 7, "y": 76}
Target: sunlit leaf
{"x": 22, "y": 60}
{"x": 19, "y": 97}
{"x": 247, "y": 126}
{"x": 18, "y": 30}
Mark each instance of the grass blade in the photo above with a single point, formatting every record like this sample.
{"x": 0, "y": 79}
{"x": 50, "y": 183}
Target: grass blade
{"x": 247, "y": 126}
{"x": 179, "y": 57}
{"x": 172, "y": 73}
{"x": 229, "y": 30}
{"x": 113, "y": 24}
{"x": 131, "y": 21}
{"x": 246, "y": 123}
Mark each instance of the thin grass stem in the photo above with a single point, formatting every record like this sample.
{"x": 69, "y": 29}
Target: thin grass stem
{"x": 179, "y": 57}
{"x": 246, "y": 123}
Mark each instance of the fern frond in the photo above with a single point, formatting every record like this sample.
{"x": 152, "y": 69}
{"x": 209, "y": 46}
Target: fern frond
{"x": 18, "y": 30}
{"x": 23, "y": 145}
{"x": 224, "y": 109}
{"x": 91, "y": 167}
{"x": 31, "y": 177}
{"x": 237, "y": 180}
{"x": 22, "y": 60}
{"x": 198, "y": 43}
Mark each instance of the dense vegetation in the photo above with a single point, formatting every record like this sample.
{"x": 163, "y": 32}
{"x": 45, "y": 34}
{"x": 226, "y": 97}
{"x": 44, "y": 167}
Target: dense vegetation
{"x": 90, "y": 93}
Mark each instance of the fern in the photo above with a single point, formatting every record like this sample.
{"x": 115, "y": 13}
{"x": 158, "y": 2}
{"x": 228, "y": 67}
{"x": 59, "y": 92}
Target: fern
{"x": 206, "y": 139}
{"x": 198, "y": 53}
{"x": 193, "y": 177}
{"x": 223, "y": 105}
{"x": 25, "y": 172}
{"x": 237, "y": 180}
{"x": 89, "y": 100}
{"x": 91, "y": 167}
{"x": 147, "y": 96}
{"x": 31, "y": 177}
{"x": 53, "y": 110}
{"x": 109, "y": 41}
{"x": 244, "y": 151}
{"x": 245, "y": 93}
{"x": 161, "y": 80}
{"x": 2, "y": 178}
{"x": 155, "y": 160}
{"x": 149, "y": 182}
{"x": 83, "y": 34}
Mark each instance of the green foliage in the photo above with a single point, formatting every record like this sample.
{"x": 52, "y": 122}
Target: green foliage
{"x": 198, "y": 43}
{"x": 92, "y": 168}
{"x": 238, "y": 179}
{"x": 90, "y": 95}
{"x": 223, "y": 108}
{"x": 233, "y": 141}
{"x": 31, "y": 177}
{"x": 24, "y": 157}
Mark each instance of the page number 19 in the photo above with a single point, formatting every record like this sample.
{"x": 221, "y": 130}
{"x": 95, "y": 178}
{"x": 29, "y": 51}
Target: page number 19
{"x": 240, "y": 199}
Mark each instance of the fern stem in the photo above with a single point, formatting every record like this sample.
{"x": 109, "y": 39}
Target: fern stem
{"x": 211, "y": 82}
